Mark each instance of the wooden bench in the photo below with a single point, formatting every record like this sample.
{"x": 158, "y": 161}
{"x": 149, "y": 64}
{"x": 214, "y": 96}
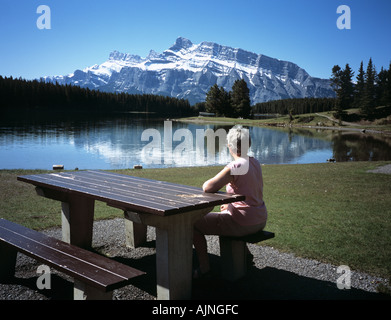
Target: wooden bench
{"x": 95, "y": 276}
{"x": 233, "y": 253}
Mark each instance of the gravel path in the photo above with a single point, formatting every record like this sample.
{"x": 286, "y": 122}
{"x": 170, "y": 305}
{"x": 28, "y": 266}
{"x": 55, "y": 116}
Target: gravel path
{"x": 275, "y": 275}
{"x": 383, "y": 169}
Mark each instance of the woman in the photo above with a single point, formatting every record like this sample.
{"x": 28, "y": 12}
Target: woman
{"x": 242, "y": 176}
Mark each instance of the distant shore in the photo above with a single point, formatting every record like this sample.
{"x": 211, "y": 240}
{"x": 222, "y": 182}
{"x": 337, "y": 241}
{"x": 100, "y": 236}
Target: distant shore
{"x": 322, "y": 121}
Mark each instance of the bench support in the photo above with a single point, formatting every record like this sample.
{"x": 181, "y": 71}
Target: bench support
{"x": 8, "y": 262}
{"x": 82, "y": 291}
{"x": 233, "y": 255}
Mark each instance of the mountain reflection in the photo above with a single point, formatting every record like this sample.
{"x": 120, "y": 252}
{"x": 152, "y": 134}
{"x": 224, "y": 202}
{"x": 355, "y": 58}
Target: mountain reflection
{"x": 115, "y": 143}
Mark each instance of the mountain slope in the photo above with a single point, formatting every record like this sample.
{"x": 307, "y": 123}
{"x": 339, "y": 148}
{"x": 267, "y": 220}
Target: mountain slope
{"x": 188, "y": 70}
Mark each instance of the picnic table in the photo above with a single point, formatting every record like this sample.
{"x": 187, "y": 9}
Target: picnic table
{"x": 171, "y": 208}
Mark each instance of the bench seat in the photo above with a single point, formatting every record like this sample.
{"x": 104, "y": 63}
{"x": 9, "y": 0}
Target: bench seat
{"x": 255, "y": 237}
{"x": 233, "y": 253}
{"x": 95, "y": 276}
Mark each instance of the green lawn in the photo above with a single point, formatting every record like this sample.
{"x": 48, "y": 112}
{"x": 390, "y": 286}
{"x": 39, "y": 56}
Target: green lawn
{"x": 333, "y": 212}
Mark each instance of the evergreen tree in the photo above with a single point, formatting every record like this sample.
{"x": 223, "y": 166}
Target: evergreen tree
{"x": 381, "y": 88}
{"x": 21, "y": 95}
{"x": 336, "y": 82}
{"x": 359, "y": 87}
{"x": 384, "y": 87}
{"x": 369, "y": 95}
{"x": 336, "y": 78}
{"x": 225, "y": 101}
{"x": 388, "y": 88}
{"x": 240, "y": 99}
{"x": 217, "y": 100}
{"x": 211, "y": 99}
{"x": 347, "y": 87}
{"x": 343, "y": 87}
{"x": 295, "y": 106}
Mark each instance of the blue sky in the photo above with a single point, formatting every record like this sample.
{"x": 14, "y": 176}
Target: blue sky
{"x": 83, "y": 33}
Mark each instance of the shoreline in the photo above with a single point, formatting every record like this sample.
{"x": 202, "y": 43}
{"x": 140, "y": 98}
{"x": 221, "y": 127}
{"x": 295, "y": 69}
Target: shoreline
{"x": 259, "y": 123}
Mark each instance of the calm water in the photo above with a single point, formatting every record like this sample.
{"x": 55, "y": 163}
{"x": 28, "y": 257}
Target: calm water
{"x": 117, "y": 144}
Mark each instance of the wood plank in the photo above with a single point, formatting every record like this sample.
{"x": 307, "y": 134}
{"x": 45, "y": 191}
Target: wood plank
{"x": 146, "y": 189}
{"x": 148, "y": 184}
{"x": 108, "y": 191}
{"x": 179, "y": 200}
{"x": 81, "y": 180}
{"x": 152, "y": 188}
{"x": 104, "y": 196}
{"x": 164, "y": 188}
{"x": 77, "y": 252}
{"x": 255, "y": 237}
{"x": 128, "y": 184}
{"x": 81, "y": 264}
{"x": 59, "y": 261}
{"x": 132, "y": 193}
{"x": 153, "y": 191}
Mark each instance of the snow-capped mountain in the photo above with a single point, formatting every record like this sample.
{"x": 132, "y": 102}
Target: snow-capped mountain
{"x": 188, "y": 70}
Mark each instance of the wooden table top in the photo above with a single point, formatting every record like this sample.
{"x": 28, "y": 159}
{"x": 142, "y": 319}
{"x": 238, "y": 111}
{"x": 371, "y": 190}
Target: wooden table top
{"x": 131, "y": 193}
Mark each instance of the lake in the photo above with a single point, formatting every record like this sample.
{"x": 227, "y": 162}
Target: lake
{"x": 122, "y": 142}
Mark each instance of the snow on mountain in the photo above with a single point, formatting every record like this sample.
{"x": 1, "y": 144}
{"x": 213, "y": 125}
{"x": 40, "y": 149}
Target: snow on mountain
{"x": 188, "y": 70}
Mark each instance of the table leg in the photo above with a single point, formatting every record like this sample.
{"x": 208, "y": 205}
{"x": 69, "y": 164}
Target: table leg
{"x": 77, "y": 216}
{"x": 174, "y": 253}
{"x": 135, "y": 233}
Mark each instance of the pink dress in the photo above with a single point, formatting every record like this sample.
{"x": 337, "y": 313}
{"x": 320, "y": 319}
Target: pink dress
{"x": 248, "y": 182}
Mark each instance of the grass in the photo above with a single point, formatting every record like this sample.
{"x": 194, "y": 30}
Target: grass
{"x": 333, "y": 212}
{"x": 20, "y": 203}
{"x": 336, "y": 213}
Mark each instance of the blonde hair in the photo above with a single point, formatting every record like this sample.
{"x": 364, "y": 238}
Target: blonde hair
{"x": 239, "y": 140}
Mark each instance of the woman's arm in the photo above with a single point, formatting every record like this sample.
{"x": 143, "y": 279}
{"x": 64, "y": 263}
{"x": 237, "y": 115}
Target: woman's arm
{"x": 218, "y": 181}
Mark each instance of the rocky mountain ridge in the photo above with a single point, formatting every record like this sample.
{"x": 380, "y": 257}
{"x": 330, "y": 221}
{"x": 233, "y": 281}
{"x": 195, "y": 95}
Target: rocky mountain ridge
{"x": 188, "y": 70}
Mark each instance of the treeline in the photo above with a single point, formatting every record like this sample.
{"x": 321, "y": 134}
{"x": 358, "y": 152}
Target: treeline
{"x": 370, "y": 90}
{"x": 33, "y": 95}
{"x": 294, "y": 106}
{"x": 235, "y": 103}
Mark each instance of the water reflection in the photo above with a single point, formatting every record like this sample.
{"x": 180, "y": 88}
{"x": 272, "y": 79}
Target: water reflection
{"x": 348, "y": 146}
{"x": 115, "y": 143}
{"x": 277, "y": 146}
